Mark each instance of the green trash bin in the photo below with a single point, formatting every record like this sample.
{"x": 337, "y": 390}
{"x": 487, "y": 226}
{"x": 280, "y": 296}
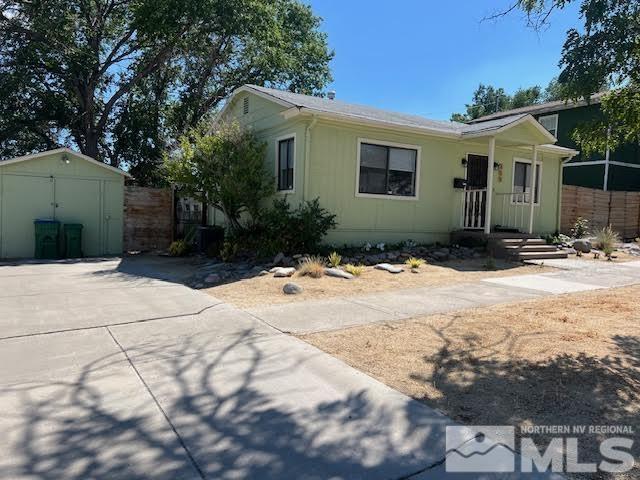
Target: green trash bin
{"x": 73, "y": 240}
{"x": 47, "y": 239}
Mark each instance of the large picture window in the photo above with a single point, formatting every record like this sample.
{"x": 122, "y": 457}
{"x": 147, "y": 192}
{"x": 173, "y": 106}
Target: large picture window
{"x": 387, "y": 170}
{"x": 522, "y": 182}
{"x": 286, "y": 153}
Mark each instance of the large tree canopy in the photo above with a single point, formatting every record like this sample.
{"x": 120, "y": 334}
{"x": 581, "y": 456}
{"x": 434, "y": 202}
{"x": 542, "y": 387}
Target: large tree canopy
{"x": 116, "y": 78}
{"x": 488, "y": 99}
{"x": 603, "y": 53}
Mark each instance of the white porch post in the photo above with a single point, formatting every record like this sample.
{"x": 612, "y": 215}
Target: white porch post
{"x": 532, "y": 187}
{"x": 492, "y": 157}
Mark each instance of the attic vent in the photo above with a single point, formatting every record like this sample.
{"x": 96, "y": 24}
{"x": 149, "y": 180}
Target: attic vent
{"x": 245, "y": 105}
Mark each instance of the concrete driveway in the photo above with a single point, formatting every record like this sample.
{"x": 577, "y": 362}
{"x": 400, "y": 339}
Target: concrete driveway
{"x": 111, "y": 371}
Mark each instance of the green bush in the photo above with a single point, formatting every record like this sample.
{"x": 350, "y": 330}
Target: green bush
{"x": 229, "y": 250}
{"x": 178, "y": 248}
{"x": 283, "y": 229}
{"x": 355, "y": 270}
{"x": 606, "y": 240}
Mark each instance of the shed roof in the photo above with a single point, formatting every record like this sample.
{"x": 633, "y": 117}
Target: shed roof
{"x": 68, "y": 151}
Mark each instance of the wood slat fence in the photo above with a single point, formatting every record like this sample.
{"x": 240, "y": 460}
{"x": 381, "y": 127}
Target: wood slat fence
{"x": 148, "y": 218}
{"x": 621, "y": 210}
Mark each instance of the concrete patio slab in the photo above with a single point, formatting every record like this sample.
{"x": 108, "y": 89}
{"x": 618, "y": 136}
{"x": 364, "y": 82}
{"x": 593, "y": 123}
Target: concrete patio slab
{"x": 72, "y": 407}
{"x": 543, "y": 282}
{"x": 48, "y": 297}
{"x": 319, "y": 315}
{"x": 259, "y": 404}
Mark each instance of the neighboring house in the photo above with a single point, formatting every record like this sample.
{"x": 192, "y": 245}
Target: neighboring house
{"x": 391, "y": 177}
{"x": 614, "y": 170}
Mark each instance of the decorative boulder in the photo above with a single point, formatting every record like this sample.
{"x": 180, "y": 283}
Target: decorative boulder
{"x": 292, "y": 289}
{"x": 336, "y": 272}
{"x": 388, "y": 268}
{"x": 582, "y": 245}
{"x": 283, "y": 271}
{"x": 278, "y": 258}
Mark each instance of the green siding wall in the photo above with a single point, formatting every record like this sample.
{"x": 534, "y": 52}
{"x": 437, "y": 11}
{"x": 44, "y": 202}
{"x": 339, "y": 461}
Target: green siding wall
{"x": 74, "y": 192}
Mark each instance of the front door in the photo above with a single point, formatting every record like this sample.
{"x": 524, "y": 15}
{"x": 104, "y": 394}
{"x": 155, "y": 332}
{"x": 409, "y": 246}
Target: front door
{"x": 475, "y": 194}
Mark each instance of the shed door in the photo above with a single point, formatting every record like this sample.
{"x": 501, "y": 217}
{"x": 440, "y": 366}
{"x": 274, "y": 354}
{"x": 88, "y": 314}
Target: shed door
{"x": 24, "y": 199}
{"x": 78, "y": 201}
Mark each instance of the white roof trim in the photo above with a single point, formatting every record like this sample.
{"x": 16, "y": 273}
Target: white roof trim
{"x": 526, "y": 119}
{"x": 63, "y": 150}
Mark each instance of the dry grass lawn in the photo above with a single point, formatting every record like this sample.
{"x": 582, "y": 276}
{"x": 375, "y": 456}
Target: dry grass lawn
{"x": 570, "y": 359}
{"x": 267, "y": 290}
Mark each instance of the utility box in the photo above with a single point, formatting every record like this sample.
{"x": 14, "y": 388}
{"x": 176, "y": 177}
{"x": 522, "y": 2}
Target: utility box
{"x": 47, "y": 239}
{"x": 73, "y": 240}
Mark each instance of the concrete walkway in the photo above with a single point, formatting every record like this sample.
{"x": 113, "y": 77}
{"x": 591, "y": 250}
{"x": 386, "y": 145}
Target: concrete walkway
{"x": 108, "y": 374}
{"x": 332, "y": 314}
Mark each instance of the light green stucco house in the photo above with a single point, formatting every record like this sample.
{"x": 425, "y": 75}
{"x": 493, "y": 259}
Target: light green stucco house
{"x": 390, "y": 177}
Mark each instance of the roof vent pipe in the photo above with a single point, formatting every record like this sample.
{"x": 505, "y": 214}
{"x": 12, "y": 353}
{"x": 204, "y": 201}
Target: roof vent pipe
{"x": 331, "y": 94}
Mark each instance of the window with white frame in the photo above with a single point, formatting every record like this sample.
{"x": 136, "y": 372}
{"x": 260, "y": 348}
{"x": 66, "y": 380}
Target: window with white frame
{"x": 387, "y": 170}
{"x": 550, "y": 122}
{"x": 285, "y": 162}
{"x": 522, "y": 182}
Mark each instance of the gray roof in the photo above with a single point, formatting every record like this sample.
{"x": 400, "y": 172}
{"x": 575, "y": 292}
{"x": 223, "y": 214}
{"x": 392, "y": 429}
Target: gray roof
{"x": 548, "y": 107}
{"x": 362, "y": 112}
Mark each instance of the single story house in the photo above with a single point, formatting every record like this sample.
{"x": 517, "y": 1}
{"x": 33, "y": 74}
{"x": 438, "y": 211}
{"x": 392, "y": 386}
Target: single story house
{"x": 390, "y": 176}
{"x": 612, "y": 170}
{"x": 60, "y": 185}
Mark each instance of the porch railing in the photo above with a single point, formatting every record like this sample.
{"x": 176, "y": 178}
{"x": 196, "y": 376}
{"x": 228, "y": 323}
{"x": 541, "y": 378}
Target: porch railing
{"x": 515, "y": 210}
{"x": 473, "y": 206}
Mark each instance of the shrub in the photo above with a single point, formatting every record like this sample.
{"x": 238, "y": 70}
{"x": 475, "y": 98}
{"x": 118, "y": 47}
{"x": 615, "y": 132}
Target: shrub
{"x": 490, "y": 263}
{"x": 606, "y": 240}
{"x": 414, "y": 262}
{"x": 282, "y": 229}
{"x": 580, "y": 228}
{"x": 355, "y": 270}
{"x": 178, "y": 248}
{"x": 229, "y": 250}
{"x": 312, "y": 266}
{"x": 334, "y": 259}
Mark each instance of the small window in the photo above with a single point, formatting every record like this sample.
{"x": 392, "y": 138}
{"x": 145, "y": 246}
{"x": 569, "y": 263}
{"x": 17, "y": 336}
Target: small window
{"x": 522, "y": 182}
{"x": 285, "y": 164}
{"x": 245, "y": 105}
{"x": 387, "y": 170}
{"x": 550, "y": 122}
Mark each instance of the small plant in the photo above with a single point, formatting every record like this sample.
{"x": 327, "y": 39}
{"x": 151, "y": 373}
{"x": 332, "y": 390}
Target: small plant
{"x": 409, "y": 244}
{"x": 179, "y": 248}
{"x": 414, "y": 262}
{"x": 490, "y": 263}
{"x": 366, "y": 247}
{"x": 312, "y": 266}
{"x": 229, "y": 251}
{"x": 606, "y": 240}
{"x": 580, "y": 228}
{"x": 334, "y": 259}
{"x": 355, "y": 270}
{"x": 380, "y": 246}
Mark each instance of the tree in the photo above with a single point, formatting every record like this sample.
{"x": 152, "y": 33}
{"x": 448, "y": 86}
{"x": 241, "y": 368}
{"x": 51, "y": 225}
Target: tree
{"x": 224, "y": 169}
{"x": 603, "y": 53}
{"x": 115, "y": 77}
{"x": 524, "y": 97}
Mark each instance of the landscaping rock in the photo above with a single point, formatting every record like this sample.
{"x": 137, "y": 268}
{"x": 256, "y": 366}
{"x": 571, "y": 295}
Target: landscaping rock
{"x": 292, "y": 289}
{"x": 441, "y": 255}
{"x": 283, "y": 271}
{"x": 570, "y": 251}
{"x": 262, "y": 273}
{"x": 212, "y": 278}
{"x": 278, "y": 258}
{"x": 336, "y": 272}
{"x": 581, "y": 245}
{"x": 415, "y": 270}
{"x": 388, "y": 268}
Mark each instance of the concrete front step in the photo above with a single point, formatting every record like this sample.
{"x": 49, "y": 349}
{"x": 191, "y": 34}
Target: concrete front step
{"x": 522, "y": 241}
{"x": 541, "y": 255}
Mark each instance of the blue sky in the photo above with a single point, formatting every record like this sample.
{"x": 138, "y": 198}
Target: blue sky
{"x": 426, "y": 57}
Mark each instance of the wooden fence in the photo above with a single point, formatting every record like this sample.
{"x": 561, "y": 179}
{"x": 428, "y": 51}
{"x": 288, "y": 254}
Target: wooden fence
{"x": 621, "y": 210}
{"x": 148, "y": 218}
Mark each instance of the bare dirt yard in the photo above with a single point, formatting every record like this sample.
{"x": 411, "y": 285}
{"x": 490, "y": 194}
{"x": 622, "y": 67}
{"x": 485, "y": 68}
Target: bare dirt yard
{"x": 267, "y": 290}
{"x": 565, "y": 360}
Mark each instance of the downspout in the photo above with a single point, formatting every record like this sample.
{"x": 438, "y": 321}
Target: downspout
{"x": 307, "y": 155}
